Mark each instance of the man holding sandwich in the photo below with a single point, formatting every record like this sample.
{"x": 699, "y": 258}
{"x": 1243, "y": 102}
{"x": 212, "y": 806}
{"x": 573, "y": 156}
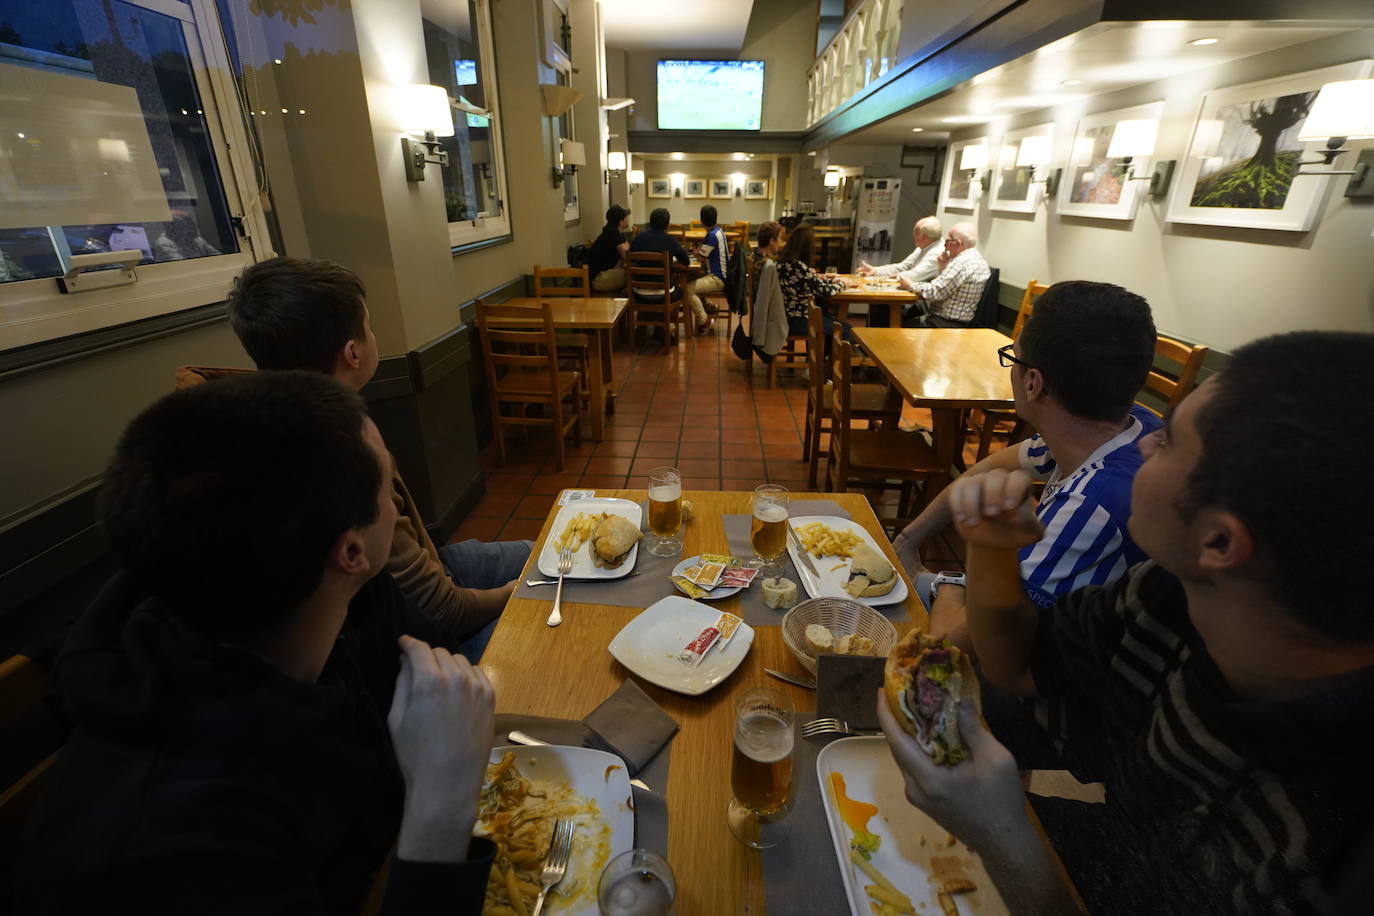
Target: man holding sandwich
{"x": 1222, "y": 692}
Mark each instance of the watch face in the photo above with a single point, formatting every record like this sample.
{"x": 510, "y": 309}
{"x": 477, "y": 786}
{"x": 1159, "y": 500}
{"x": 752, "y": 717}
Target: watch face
{"x": 951, "y": 575}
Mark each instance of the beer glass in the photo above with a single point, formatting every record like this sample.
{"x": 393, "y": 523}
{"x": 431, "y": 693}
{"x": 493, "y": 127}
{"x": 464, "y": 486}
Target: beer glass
{"x": 637, "y": 883}
{"x": 768, "y": 529}
{"x": 665, "y": 512}
{"x": 761, "y": 768}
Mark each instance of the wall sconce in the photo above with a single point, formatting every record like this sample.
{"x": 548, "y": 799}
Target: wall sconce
{"x": 424, "y": 112}
{"x": 677, "y": 178}
{"x": 1034, "y": 154}
{"x": 1136, "y": 138}
{"x": 974, "y": 158}
{"x": 636, "y": 179}
{"x": 831, "y": 179}
{"x": 615, "y": 164}
{"x": 737, "y": 183}
{"x": 571, "y": 155}
{"x": 1343, "y": 111}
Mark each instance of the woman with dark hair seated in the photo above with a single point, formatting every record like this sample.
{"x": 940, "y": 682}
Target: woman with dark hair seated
{"x": 800, "y": 283}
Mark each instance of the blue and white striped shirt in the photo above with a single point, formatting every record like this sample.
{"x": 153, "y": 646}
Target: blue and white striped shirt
{"x": 719, "y": 260}
{"x": 1084, "y": 514}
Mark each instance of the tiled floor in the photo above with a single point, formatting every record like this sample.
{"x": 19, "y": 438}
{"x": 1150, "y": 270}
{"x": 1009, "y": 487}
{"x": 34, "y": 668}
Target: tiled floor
{"x": 692, "y": 407}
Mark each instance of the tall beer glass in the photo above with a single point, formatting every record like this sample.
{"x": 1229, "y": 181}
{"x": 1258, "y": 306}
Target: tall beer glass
{"x": 761, "y": 768}
{"x": 665, "y": 512}
{"x": 768, "y": 530}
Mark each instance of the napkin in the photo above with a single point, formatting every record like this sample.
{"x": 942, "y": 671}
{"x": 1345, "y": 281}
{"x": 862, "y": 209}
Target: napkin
{"x": 630, "y": 725}
{"x": 846, "y": 687}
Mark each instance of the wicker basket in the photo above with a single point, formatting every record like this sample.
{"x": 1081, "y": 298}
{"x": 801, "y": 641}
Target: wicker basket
{"x": 842, "y": 616}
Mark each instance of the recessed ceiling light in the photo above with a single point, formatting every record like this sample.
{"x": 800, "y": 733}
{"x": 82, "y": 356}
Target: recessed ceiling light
{"x": 739, "y": 157}
{"x": 1071, "y": 83}
{"x": 677, "y": 155}
{"x": 917, "y": 130}
{"x": 968, "y": 119}
{"x": 811, "y": 153}
{"x": 1204, "y": 41}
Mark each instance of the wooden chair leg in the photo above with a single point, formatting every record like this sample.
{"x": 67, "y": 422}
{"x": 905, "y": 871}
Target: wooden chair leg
{"x": 806, "y": 437}
{"x": 500, "y": 434}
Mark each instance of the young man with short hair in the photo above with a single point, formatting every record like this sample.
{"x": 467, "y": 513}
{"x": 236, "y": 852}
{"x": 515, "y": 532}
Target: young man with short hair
{"x": 1222, "y": 691}
{"x": 300, "y": 313}
{"x": 229, "y": 685}
{"x": 715, "y": 254}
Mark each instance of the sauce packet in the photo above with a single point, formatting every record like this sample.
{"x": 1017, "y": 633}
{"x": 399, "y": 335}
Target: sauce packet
{"x": 692, "y": 653}
{"x": 688, "y": 587}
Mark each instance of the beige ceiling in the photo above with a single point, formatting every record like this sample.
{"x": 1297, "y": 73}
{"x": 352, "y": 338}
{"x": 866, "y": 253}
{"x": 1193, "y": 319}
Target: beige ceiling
{"x": 648, "y": 25}
{"x": 1104, "y": 57}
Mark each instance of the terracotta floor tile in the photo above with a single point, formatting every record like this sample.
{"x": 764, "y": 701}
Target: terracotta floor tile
{"x": 739, "y": 483}
{"x": 505, "y": 482}
{"x": 521, "y": 458}
{"x": 624, "y": 416}
{"x": 617, "y": 448}
{"x": 750, "y": 451}
{"x": 623, "y": 433}
{"x": 780, "y": 437}
{"x": 667, "y": 450}
{"x": 495, "y": 504}
{"x": 752, "y": 469}
{"x": 699, "y": 467}
{"x": 522, "y": 529}
{"x": 776, "y": 418}
{"x": 483, "y": 529}
{"x": 602, "y": 482}
{"x": 661, "y": 433}
{"x": 700, "y": 433}
{"x": 739, "y": 435}
{"x": 641, "y": 468}
{"x": 608, "y": 466}
{"x": 535, "y": 505}
{"x": 552, "y": 483}
{"x": 701, "y": 483}
{"x": 739, "y": 420}
{"x": 572, "y": 464}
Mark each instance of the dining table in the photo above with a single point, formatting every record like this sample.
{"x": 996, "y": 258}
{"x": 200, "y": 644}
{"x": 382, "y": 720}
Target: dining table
{"x": 567, "y": 671}
{"x": 947, "y": 370}
{"x": 872, "y": 292}
{"x": 596, "y": 317}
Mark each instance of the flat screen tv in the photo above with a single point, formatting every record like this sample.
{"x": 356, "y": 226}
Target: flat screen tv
{"x": 710, "y": 94}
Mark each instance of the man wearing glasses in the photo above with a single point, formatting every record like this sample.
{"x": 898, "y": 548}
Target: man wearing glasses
{"x": 1075, "y": 371}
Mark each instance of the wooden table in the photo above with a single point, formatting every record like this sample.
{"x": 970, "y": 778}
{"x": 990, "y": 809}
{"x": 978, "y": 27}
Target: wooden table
{"x": 948, "y": 370}
{"x": 596, "y": 317}
{"x": 566, "y": 672}
{"x": 868, "y": 292}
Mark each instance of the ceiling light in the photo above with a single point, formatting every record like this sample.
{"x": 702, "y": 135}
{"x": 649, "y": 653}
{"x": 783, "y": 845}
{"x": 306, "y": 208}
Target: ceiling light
{"x": 811, "y": 153}
{"x": 968, "y": 119}
{"x": 678, "y": 155}
{"x": 276, "y": 60}
{"x": 1204, "y": 41}
{"x": 739, "y": 157}
{"x": 832, "y": 178}
{"x": 1071, "y": 83}
{"x": 917, "y": 130}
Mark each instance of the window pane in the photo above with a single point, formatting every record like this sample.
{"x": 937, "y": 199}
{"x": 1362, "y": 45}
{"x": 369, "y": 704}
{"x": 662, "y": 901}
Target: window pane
{"x": 123, "y": 44}
{"x": 454, "y": 55}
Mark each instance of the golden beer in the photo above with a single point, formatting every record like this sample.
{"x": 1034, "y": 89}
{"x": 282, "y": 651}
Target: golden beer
{"x": 761, "y": 767}
{"x": 665, "y": 509}
{"x": 768, "y": 532}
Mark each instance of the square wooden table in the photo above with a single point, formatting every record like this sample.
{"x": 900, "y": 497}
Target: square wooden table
{"x": 948, "y": 370}
{"x": 595, "y": 316}
{"x": 566, "y": 672}
{"x": 871, "y": 294}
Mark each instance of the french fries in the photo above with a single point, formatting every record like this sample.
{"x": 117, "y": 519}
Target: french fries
{"x": 885, "y": 900}
{"x": 578, "y": 530}
{"x": 823, "y": 541}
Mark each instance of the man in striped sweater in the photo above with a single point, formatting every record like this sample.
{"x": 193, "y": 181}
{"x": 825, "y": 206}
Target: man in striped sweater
{"x": 1223, "y": 692}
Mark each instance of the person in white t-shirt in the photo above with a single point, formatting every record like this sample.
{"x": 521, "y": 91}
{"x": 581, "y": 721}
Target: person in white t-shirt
{"x": 921, "y": 263}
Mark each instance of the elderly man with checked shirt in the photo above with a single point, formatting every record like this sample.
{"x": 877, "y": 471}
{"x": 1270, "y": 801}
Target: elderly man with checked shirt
{"x": 951, "y": 299}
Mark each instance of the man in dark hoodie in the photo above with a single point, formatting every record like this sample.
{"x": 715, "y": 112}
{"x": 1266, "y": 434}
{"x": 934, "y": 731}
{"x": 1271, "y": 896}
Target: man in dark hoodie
{"x": 231, "y": 750}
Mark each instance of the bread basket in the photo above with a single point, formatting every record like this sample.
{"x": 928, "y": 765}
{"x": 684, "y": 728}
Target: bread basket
{"x": 842, "y": 616}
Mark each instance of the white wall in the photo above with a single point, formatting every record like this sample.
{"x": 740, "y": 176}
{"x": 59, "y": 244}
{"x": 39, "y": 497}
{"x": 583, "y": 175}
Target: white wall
{"x": 684, "y": 209}
{"x": 1214, "y": 285}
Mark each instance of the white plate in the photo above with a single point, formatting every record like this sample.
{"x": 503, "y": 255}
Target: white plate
{"x": 583, "y": 567}
{"x": 871, "y": 775}
{"x": 585, "y": 771}
{"x": 649, "y": 646}
{"x": 831, "y": 584}
{"x": 715, "y": 594}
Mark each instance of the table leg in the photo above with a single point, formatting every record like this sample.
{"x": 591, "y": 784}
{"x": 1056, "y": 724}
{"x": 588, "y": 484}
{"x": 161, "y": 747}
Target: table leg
{"x": 597, "y": 351}
{"x": 945, "y": 440}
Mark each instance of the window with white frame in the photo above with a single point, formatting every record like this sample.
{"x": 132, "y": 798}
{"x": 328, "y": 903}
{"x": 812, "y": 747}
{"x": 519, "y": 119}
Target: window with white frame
{"x": 458, "y": 49}
{"x": 122, "y": 169}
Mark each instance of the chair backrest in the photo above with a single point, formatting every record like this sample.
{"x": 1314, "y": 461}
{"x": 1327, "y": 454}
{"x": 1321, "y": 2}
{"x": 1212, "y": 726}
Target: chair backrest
{"x": 1173, "y": 390}
{"x": 546, "y": 281}
{"x": 24, "y": 686}
{"x": 517, "y": 338}
{"x": 985, "y": 316}
{"x": 841, "y": 361}
{"x": 648, "y": 273}
{"x": 1033, "y": 291}
{"x": 815, "y": 354}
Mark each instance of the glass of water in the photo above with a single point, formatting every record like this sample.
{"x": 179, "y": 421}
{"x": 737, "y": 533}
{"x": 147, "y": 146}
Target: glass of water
{"x": 637, "y": 883}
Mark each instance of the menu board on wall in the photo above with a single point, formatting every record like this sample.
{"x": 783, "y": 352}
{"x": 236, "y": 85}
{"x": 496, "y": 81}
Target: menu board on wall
{"x": 876, "y": 220}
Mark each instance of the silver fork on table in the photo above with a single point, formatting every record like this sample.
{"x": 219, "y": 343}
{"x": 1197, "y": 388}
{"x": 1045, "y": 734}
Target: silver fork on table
{"x": 831, "y": 726}
{"x": 556, "y": 861}
{"x": 564, "y": 567}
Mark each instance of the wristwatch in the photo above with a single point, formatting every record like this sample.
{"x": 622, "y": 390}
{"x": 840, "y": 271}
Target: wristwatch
{"x": 944, "y": 578}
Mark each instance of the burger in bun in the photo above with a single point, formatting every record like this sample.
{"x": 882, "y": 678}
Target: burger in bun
{"x": 925, "y": 679}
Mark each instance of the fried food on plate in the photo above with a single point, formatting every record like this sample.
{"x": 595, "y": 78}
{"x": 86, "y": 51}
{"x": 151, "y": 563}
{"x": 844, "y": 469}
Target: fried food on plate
{"x": 871, "y": 574}
{"x": 612, "y": 540}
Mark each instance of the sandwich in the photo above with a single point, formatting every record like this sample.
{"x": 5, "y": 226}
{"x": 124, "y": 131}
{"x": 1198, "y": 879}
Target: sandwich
{"x": 870, "y": 574}
{"x": 612, "y": 541}
{"x": 925, "y": 679}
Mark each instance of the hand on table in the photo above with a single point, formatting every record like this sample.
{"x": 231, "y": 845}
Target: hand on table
{"x": 905, "y": 283}
{"x": 995, "y": 509}
{"x": 908, "y": 550}
{"x": 864, "y": 269}
{"x": 441, "y": 727}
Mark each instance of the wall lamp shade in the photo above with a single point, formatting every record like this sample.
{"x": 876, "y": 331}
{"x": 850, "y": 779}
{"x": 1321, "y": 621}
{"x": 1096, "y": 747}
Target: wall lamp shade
{"x": 558, "y": 99}
{"x": 1133, "y": 137}
{"x": 615, "y": 161}
{"x": 1342, "y": 109}
{"x": 1033, "y": 152}
{"x": 425, "y": 109}
{"x": 832, "y": 179}
{"x": 637, "y": 177}
{"x": 574, "y": 154}
{"x": 974, "y": 157}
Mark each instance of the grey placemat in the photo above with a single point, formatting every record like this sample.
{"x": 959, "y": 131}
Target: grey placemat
{"x": 751, "y": 606}
{"x": 801, "y": 875}
{"x": 651, "y": 808}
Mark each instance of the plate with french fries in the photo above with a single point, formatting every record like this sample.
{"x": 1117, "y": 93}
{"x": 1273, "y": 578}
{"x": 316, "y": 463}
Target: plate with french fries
{"x": 525, "y": 792}
{"x": 829, "y": 542}
{"x": 895, "y": 860}
{"x": 575, "y": 525}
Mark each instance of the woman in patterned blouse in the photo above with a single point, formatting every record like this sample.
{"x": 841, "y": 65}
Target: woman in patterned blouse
{"x": 800, "y": 283}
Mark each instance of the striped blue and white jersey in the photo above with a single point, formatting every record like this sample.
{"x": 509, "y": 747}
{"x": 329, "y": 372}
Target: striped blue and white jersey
{"x": 1084, "y": 513}
{"x": 718, "y": 262}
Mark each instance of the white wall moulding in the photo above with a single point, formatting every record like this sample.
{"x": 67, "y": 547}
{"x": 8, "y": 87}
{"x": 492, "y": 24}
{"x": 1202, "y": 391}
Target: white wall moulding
{"x": 1242, "y": 162}
{"x": 1096, "y": 184}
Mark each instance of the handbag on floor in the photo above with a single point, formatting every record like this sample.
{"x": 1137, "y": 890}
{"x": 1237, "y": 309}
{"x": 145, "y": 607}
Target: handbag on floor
{"x": 741, "y": 344}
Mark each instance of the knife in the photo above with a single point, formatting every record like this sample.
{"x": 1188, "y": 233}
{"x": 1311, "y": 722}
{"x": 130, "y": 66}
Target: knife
{"x": 530, "y": 741}
{"x": 805, "y": 555}
{"x": 799, "y": 680}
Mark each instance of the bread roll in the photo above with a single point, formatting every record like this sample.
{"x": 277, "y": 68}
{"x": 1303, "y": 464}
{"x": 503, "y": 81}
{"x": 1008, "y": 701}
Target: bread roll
{"x": 818, "y": 638}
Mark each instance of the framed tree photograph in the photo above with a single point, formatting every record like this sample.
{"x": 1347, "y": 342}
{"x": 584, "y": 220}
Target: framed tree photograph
{"x": 756, "y": 189}
{"x": 694, "y": 187}
{"x": 1015, "y": 187}
{"x": 1244, "y": 154}
{"x": 1095, "y": 185}
{"x": 961, "y": 187}
{"x": 660, "y": 188}
{"x": 720, "y": 189}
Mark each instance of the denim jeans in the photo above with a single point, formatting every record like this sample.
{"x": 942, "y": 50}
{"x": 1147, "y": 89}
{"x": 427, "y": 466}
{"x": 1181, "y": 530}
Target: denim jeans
{"x": 478, "y": 564}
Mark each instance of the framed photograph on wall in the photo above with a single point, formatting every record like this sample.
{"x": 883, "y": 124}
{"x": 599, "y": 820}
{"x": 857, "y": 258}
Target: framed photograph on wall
{"x": 961, "y": 189}
{"x": 1023, "y": 161}
{"x": 1244, "y": 153}
{"x": 756, "y": 189}
{"x": 720, "y": 189}
{"x": 694, "y": 187}
{"x": 1094, "y": 185}
{"x": 660, "y": 188}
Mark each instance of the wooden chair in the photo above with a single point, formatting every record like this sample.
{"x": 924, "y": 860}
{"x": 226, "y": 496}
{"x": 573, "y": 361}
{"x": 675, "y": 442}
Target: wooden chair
{"x": 985, "y": 421}
{"x": 572, "y": 345}
{"x": 520, "y": 352}
{"x": 1173, "y": 390}
{"x": 870, "y": 401}
{"x": 23, "y": 688}
{"x": 650, "y": 290}
{"x": 873, "y": 458}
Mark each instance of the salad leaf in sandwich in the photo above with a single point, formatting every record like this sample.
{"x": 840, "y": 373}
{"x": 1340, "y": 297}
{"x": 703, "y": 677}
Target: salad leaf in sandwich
{"x": 925, "y": 679}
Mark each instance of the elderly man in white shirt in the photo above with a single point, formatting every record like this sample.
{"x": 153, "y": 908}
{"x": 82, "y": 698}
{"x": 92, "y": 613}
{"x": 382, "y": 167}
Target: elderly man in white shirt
{"x": 920, "y": 264}
{"x": 951, "y": 299}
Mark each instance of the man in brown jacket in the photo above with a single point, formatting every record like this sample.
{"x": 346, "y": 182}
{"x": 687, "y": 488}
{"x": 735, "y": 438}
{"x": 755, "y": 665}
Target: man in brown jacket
{"x": 298, "y": 313}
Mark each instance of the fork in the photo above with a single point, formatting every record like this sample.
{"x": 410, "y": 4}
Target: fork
{"x": 555, "y": 861}
{"x": 564, "y": 567}
{"x": 831, "y": 726}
